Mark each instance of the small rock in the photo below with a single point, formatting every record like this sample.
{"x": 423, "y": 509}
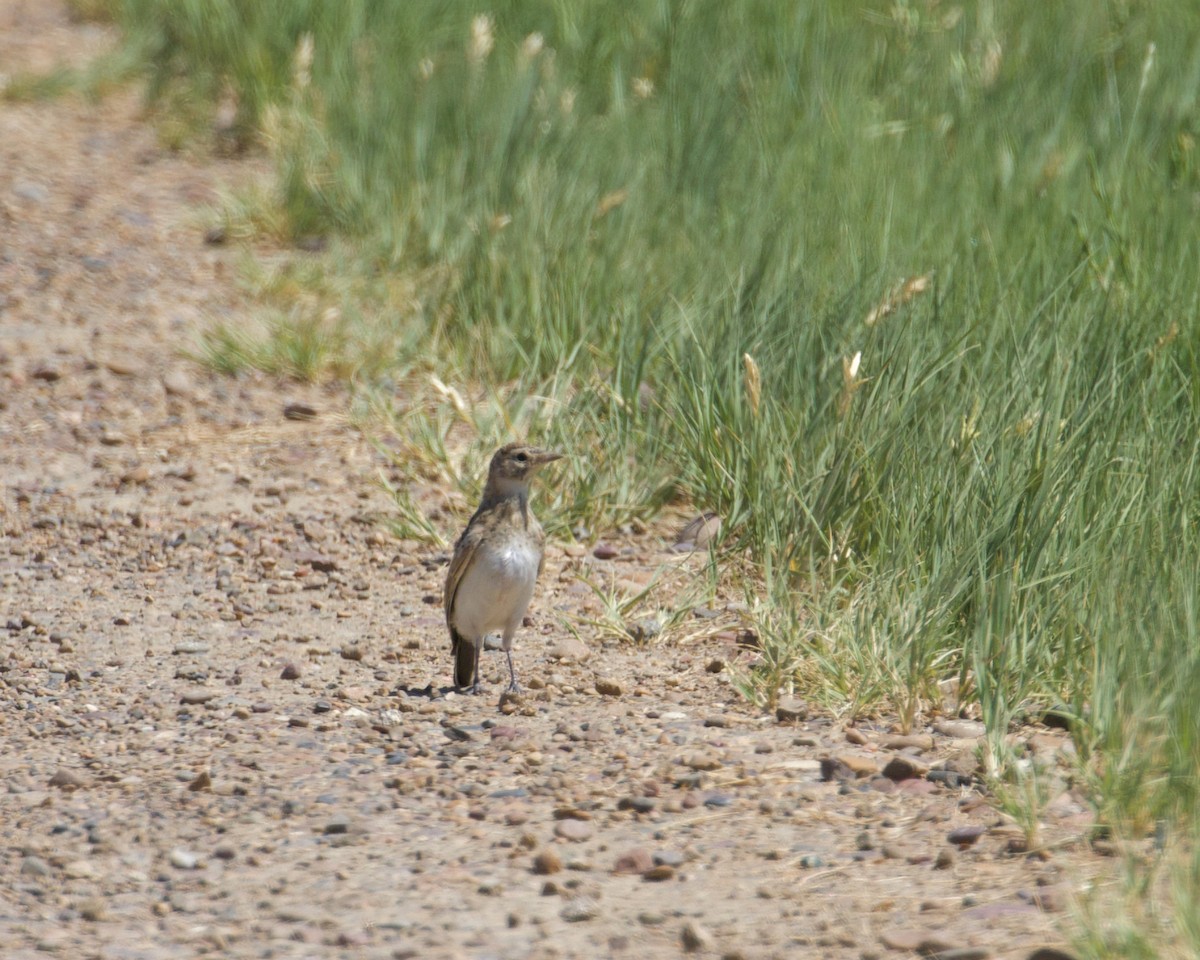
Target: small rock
{"x": 352, "y": 652}
{"x": 645, "y": 629}
{"x": 291, "y": 671}
{"x": 79, "y": 870}
{"x": 122, "y": 366}
{"x": 66, "y": 779}
{"x": 903, "y": 767}
{"x": 1050, "y": 953}
{"x": 636, "y": 861}
{"x": 578, "y": 909}
{"x": 701, "y": 760}
{"x": 604, "y": 551}
{"x": 203, "y": 782}
{"x": 659, "y": 873}
{"x": 576, "y": 831}
{"x": 966, "y": 836}
{"x": 637, "y": 804}
{"x": 960, "y": 729}
{"x": 32, "y": 866}
{"x": 184, "y": 859}
{"x": 921, "y": 742}
{"x": 848, "y": 767}
{"x": 33, "y": 192}
{"x": 569, "y": 650}
{"x": 950, "y": 778}
{"x": 791, "y": 710}
{"x": 694, "y": 937}
{"x": 176, "y": 383}
{"x": 299, "y": 411}
{"x": 196, "y": 695}
{"x": 717, "y": 721}
{"x": 93, "y": 910}
{"x": 945, "y": 859}
{"x": 546, "y": 863}
{"x": 915, "y": 941}
{"x": 608, "y": 688}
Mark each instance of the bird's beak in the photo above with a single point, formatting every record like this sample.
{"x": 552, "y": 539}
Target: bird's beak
{"x": 543, "y": 457}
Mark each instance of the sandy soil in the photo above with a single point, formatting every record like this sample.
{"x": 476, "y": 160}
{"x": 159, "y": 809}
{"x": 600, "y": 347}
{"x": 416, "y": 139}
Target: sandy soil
{"x": 225, "y": 715}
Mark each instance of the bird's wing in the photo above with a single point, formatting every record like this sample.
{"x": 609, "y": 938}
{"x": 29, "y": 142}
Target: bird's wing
{"x": 464, "y": 550}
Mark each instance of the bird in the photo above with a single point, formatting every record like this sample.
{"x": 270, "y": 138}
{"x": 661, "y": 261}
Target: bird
{"x": 497, "y": 560}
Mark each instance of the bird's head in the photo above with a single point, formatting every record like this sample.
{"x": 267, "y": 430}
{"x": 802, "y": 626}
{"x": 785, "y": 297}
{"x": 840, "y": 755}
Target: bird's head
{"x": 517, "y": 463}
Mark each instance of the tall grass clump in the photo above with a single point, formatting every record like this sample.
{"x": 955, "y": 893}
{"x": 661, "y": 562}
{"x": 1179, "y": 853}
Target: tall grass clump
{"x": 908, "y": 292}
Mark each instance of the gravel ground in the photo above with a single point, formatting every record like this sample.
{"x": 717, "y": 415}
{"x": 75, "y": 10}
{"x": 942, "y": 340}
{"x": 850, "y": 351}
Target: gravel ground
{"x": 226, "y": 723}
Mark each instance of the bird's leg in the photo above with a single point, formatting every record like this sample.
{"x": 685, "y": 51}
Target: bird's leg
{"x": 476, "y": 688}
{"x": 513, "y": 686}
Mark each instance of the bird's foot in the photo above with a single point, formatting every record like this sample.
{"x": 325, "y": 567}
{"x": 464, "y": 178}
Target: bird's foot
{"x": 474, "y": 689}
{"x": 514, "y": 688}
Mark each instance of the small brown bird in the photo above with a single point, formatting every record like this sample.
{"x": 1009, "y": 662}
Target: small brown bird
{"x": 496, "y": 563}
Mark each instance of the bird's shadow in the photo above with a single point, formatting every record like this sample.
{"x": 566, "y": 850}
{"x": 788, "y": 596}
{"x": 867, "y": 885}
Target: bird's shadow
{"x": 427, "y": 692}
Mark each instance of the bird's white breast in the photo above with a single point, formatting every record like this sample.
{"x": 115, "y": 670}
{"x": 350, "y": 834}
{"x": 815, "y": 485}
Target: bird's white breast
{"x": 495, "y": 589}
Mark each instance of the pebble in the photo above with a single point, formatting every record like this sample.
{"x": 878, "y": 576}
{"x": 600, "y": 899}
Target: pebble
{"x": 569, "y": 650}
{"x": 608, "y": 688}
{"x": 66, "y": 779}
{"x": 965, "y": 836}
{"x": 604, "y": 551}
{"x": 298, "y": 410}
{"x": 196, "y": 695}
{"x": 791, "y": 710}
{"x": 847, "y": 767}
{"x": 701, "y": 760}
{"x": 695, "y": 937}
{"x": 645, "y": 629}
{"x": 184, "y": 859}
{"x": 960, "y": 729}
{"x": 637, "y": 804}
{"x": 924, "y": 942}
{"x": 79, "y": 870}
{"x": 636, "y": 861}
{"x": 921, "y": 742}
{"x": 576, "y": 831}
{"x": 291, "y": 671}
{"x": 581, "y": 908}
{"x": 176, "y": 383}
{"x": 547, "y": 862}
{"x": 659, "y": 873}
{"x": 902, "y": 767}
{"x": 32, "y": 866}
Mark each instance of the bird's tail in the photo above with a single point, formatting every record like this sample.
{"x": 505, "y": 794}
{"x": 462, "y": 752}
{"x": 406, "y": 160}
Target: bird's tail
{"x": 463, "y": 652}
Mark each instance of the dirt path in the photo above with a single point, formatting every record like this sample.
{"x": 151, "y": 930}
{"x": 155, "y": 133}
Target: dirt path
{"x": 220, "y": 674}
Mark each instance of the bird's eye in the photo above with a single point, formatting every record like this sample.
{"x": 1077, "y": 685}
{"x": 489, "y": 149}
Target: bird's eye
{"x": 522, "y": 457}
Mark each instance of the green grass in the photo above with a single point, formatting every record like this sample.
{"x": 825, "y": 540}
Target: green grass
{"x": 658, "y": 232}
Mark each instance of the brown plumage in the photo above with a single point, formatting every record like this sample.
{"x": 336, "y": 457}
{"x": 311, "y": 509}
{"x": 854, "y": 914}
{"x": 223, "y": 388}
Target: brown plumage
{"x": 496, "y": 563}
